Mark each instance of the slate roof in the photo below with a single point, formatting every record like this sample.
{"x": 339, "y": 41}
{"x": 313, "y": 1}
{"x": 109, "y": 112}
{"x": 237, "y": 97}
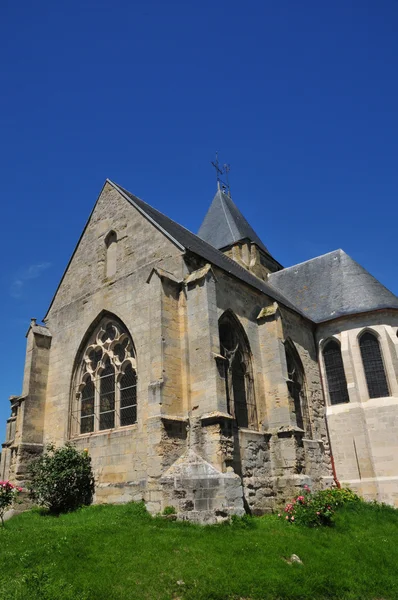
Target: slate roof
{"x": 187, "y": 240}
{"x": 332, "y": 286}
{"x": 321, "y": 289}
{"x": 224, "y": 224}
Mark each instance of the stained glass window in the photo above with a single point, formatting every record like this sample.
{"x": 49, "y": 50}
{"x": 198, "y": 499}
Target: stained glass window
{"x": 335, "y": 375}
{"x": 128, "y": 396}
{"x": 238, "y": 372}
{"x": 107, "y": 397}
{"x": 373, "y": 366}
{"x": 87, "y": 407}
{"x": 106, "y": 393}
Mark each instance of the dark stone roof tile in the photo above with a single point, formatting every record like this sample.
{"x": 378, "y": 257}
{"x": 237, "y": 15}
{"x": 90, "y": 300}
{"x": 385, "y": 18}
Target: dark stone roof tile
{"x": 188, "y": 240}
{"x": 225, "y": 225}
{"x": 332, "y": 286}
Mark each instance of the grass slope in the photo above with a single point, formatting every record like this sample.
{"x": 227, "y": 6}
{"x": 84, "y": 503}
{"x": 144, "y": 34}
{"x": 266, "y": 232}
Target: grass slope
{"x": 120, "y": 552}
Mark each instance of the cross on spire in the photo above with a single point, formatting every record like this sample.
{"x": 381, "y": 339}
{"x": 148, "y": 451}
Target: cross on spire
{"x": 222, "y": 175}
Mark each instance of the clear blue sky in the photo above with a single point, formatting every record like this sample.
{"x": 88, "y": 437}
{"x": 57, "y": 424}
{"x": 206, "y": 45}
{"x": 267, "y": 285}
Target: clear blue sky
{"x": 299, "y": 97}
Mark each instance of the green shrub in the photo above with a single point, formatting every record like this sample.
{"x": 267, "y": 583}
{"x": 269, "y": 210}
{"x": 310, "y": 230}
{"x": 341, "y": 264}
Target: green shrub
{"x": 8, "y": 495}
{"x": 318, "y": 509}
{"x": 169, "y": 510}
{"x": 138, "y": 510}
{"x": 62, "y": 479}
{"x": 244, "y": 522}
{"x": 339, "y": 496}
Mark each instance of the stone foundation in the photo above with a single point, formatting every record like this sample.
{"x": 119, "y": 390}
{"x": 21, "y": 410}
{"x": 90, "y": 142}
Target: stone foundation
{"x": 199, "y": 492}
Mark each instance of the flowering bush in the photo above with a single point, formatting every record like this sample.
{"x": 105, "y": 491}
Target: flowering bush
{"x": 8, "y": 494}
{"x": 62, "y": 479}
{"x": 316, "y": 509}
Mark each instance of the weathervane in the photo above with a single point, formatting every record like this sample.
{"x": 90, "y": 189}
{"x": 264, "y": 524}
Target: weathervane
{"x": 222, "y": 176}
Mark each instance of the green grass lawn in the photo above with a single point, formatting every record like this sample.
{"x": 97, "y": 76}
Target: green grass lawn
{"x": 121, "y": 553}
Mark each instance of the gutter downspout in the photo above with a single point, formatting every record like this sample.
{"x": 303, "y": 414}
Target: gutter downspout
{"x": 337, "y": 482}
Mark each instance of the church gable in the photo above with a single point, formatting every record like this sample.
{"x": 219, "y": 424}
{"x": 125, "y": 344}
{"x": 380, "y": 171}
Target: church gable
{"x": 117, "y": 240}
{"x": 193, "y": 383}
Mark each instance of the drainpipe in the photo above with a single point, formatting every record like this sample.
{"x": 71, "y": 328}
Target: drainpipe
{"x": 336, "y": 481}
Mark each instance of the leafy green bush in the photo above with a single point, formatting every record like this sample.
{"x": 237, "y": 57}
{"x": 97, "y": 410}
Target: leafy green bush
{"x": 244, "y": 522}
{"x": 62, "y": 479}
{"x": 8, "y": 495}
{"x": 317, "y": 509}
{"x": 339, "y": 496}
{"x": 169, "y": 510}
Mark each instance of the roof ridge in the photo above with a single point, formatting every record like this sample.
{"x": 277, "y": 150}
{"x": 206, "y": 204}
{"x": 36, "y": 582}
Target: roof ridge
{"x": 153, "y": 208}
{"x": 123, "y": 190}
{"x": 333, "y": 285}
{"x": 179, "y": 225}
{"x": 369, "y": 274}
{"x": 310, "y": 260}
{"x": 207, "y": 251}
{"x": 228, "y": 258}
{"x": 223, "y": 204}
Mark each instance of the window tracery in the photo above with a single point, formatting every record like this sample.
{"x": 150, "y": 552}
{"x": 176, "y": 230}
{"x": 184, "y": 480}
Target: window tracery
{"x": 237, "y": 372}
{"x": 297, "y": 389}
{"x": 106, "y": 390}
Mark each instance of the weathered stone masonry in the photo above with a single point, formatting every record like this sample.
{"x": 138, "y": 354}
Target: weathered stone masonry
{"x": 223, "y": 425}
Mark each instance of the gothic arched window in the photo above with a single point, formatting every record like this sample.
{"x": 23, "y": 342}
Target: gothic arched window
{"x": 238, "y": 374}
{"x": 373, "y": 365}
{"x": 128, "y": 395}
{"x": 87, "y": 396}
{"x": 111, "y": 254}
{"x": 106, "y": 381}
{"x": 297, "y": 388}
{"x": 335, "y": 375}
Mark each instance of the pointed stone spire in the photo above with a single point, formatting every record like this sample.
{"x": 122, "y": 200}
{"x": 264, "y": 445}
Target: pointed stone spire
{"x": 225, "y": 225}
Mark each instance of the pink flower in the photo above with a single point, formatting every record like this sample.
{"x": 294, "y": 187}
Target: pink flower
{"x": 318, "y": 513}
{"x": 279, "y": 514}
{"x": 292, "y": 518}
{"x": 287, "y": 517}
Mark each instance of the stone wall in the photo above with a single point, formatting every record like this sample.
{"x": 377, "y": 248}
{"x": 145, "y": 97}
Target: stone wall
{"x": 24, "y": 439}
{"x": 185, "y": 449}
{"x": 301, "y": 332}
{"x": 124, "y": 460}
{"x": 363, "y": 432}
{"x": 269, "y": 455}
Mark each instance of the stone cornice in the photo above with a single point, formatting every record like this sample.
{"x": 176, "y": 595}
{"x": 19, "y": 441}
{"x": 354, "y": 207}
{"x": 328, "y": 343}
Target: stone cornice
{"x": 196, "y": 276}
{"x": 162, "y": 274}
{"x": 268, "y": 312}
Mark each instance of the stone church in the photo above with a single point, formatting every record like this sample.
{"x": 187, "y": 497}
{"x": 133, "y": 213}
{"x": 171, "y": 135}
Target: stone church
{"x": 199, "y": 373}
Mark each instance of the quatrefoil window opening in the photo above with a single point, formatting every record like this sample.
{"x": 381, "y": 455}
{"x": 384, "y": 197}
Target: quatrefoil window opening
{"x": 107, "y": 393}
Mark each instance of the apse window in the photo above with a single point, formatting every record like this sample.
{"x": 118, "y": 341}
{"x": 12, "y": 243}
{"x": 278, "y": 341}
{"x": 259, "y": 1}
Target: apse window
{"x": 335, "y": 374}
{"x": 373, "y": 365}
